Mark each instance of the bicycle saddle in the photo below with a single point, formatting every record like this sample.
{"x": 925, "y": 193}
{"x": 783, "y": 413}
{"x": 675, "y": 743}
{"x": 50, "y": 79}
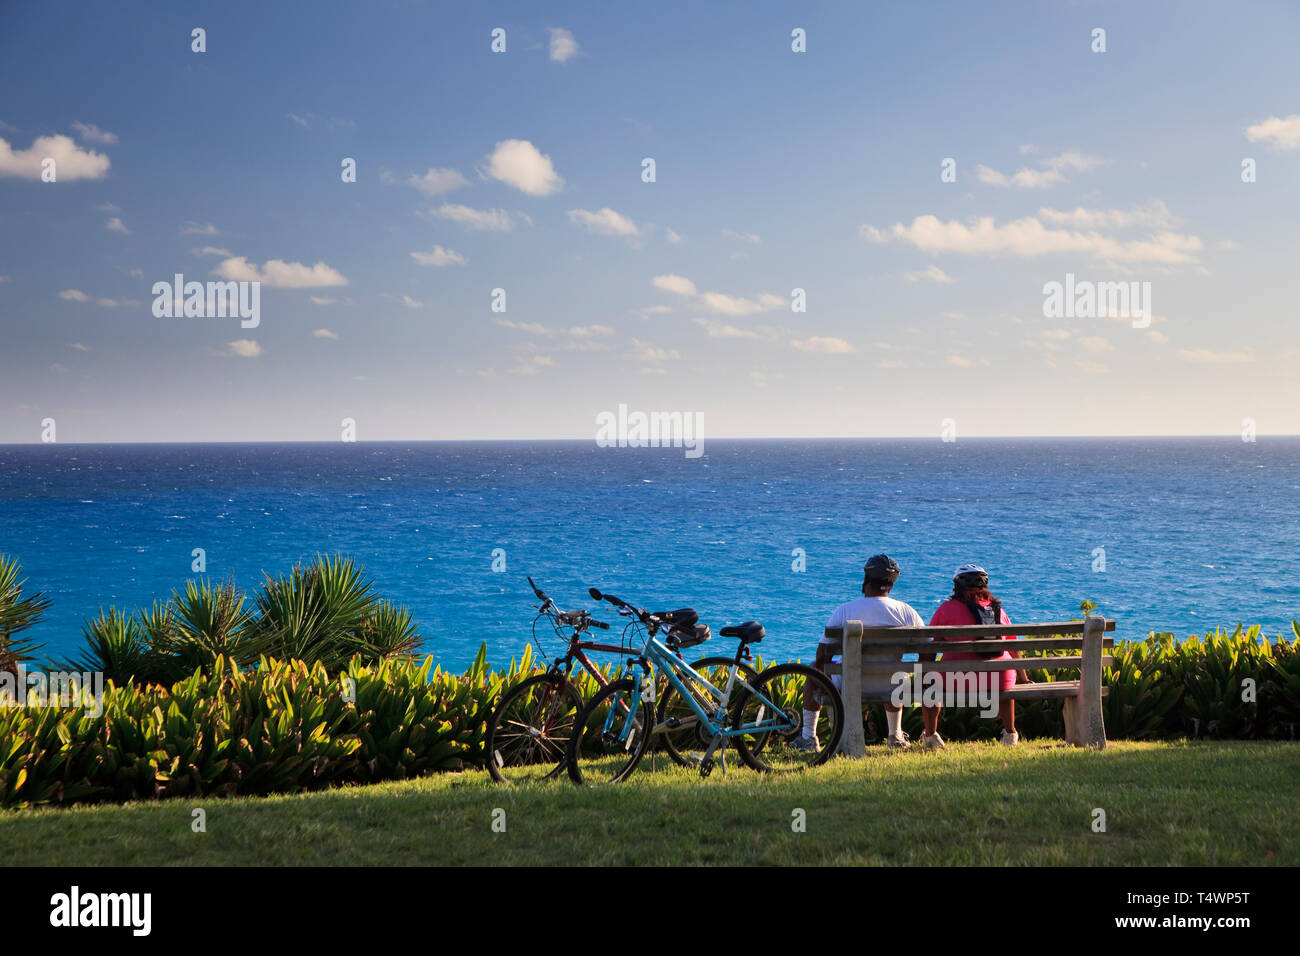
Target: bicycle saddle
{"x": 688, "y": 637}
{"x": 751, "y": 632}
{"x": 684, "y": 618}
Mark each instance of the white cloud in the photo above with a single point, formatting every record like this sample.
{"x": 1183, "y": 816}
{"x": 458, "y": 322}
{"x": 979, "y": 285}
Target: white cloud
{"x": 93, "y": 134}
{"x": 828, "y": 345}
{"x": 674, "y": 283}
{"x": 675, "y": 238}
{"x": 79, "y": 347}
{"x": 1211, "y": 357}
{"x": 411, "y": 303}
{"x": 242, "y": 348}
{"x": 1048, "y": 175}
{"x": 136, "y": 273}
{"x": 322, "y": 300}
{"x": 532, "y": 364}
{"x": 518, "y": 163}
{"x": 721, "y": 304}
{"x": 1152, "y": 215}
{"x": 199, "y": 229}
{"x": 717, "y": 302}
{"x": 645, "y": 352}
{"x": 575, "y": 331}
{"x": 720, "y": 330}
{"x": 300, "y": 120}
{"x": 74, "y": 295}
{"x": 108, "y": 207}
{"x": 930, "y": 274}
{"x": 435, "y": 182}
{"x": 1159, "y": 338}
{"x": 563, "y": 45}
{"x": 1096, "y": 344}
{"x": 1282, "y": 133}
{"x": 603, "y": 222}
{"x": 480, "y": 220}
{"x": 1058, "y": 334}
{"x": 438, "y": 257}
{"x": 212, "y": 251}
{"x": 325, "y": 334}
{"x": 958, "y": 360}
{"x": 279, "y": 274}
{"x": 1028, "y": 237}
{"x": 743, "y": 236}
{"x": 115, "y": 224}
{"x": 70, "y": 160}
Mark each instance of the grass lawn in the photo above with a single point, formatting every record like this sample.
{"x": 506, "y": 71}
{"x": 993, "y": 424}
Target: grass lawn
{"x": 1197, "y": 804}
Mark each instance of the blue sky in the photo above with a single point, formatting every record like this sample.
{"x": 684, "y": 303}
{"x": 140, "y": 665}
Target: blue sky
{"x": 775, "y": 170}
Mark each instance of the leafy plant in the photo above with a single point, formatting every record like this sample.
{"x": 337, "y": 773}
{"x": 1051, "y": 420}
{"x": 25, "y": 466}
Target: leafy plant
{"x": 17, "y": 614}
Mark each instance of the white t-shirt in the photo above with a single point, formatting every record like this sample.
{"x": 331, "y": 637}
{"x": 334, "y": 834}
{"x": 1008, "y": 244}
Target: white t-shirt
{"x": 875, "y": 612}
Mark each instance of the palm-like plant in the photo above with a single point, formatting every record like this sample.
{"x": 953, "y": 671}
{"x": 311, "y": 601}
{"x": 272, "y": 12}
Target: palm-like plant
{"x": 389, "y": 633}
{"x": 17, "y": 614}
{"x": 199, "y": 625}
{"x": 318, "y": 612}
{"x": 117, "y": 644}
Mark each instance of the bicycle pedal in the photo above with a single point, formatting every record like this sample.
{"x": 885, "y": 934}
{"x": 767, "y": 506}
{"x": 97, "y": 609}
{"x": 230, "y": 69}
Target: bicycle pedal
{"x": 706, "y": 767}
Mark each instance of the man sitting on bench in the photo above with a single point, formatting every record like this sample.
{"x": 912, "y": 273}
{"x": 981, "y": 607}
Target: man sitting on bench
{"x": 874, "y": 609}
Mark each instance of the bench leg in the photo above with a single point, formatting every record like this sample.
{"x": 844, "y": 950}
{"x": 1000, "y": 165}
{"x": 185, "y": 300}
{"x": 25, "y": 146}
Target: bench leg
{"x": 1070, "y": 710}
{"x": 854, "y": 739}
{"x": 1092, "y": 727}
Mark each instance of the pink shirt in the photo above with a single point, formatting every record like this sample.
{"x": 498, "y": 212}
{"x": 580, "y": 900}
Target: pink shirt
{"x": 955, "y": 614}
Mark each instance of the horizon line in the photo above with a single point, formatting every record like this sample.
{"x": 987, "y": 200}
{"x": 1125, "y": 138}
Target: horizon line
{"x": 725, "y": 438}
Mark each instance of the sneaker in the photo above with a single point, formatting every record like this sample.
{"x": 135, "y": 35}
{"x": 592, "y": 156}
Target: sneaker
{"x": 1009, "y": 739}
{"x": 933, "y": 741}
{"x": 901, "y": 742}
{"x": 806, "y": 743}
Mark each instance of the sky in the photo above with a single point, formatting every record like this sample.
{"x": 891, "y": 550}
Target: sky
{"x": 775, "y": 170}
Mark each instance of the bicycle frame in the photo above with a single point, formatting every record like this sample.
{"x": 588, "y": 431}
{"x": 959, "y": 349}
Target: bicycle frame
{"x": 675, "y": 669}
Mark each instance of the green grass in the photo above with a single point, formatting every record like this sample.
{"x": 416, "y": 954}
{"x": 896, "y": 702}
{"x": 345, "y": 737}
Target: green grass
{"x": 1193, "y": 803}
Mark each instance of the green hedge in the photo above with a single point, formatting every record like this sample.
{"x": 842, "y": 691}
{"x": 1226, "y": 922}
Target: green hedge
{"x": 286, "y": 726}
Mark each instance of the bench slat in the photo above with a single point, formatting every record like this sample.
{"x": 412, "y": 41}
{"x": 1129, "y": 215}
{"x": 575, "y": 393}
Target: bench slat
{"x": 967, "y": 630}
{"x": 956, "y": 667}
{"x": 1043, "y": 691}
{"x": 914, "y": 645}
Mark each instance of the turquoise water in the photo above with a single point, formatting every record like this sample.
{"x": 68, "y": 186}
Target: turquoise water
{"x": 1196, "y": 532}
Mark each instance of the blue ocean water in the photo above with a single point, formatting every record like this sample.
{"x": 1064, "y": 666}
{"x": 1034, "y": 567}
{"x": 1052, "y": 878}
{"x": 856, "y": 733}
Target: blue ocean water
{"x": 1196, "y": 532}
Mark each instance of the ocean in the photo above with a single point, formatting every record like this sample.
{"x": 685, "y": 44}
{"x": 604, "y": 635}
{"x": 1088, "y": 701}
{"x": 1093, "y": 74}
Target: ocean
{"x": 1164, "y": 534}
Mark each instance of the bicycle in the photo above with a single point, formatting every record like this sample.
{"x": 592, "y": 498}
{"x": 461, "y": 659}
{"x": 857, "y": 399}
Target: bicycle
{"x": 765, "y": 720}
{"x": 527, "y": 734}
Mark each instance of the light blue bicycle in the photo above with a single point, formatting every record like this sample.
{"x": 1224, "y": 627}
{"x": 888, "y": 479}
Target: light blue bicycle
{"x": 763, "y": 715}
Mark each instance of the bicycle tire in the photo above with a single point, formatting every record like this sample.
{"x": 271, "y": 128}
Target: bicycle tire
{"x": 684, "y": 743}
{"x": 594, "y": 755}
{"x": 527, "y": 737}
{"x": 783, "y": 685}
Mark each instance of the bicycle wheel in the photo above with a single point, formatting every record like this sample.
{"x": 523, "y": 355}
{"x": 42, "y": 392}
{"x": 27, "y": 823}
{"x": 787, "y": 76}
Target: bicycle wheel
{"x": 528, "y": 734}
{"x": 611, "y": 734}
{"x": 687, "y": 742}
{"x": 776, "y": 750}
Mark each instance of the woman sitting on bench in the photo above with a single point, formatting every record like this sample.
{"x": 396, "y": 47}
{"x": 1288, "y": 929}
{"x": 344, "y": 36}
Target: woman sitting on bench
{"x": 971, "y": 603}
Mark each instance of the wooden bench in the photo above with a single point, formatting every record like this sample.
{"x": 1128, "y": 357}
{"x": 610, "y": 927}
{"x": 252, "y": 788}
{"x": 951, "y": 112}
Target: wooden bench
{"x": 1082, "y": 698}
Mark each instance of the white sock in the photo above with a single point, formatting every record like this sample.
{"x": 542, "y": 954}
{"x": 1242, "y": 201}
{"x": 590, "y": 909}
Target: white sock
{"x": 810, "y": 723}
{"x": 895, "y": 720}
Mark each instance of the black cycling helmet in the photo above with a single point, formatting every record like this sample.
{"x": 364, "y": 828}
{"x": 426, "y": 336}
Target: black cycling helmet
{"x": 882, "y": 568}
